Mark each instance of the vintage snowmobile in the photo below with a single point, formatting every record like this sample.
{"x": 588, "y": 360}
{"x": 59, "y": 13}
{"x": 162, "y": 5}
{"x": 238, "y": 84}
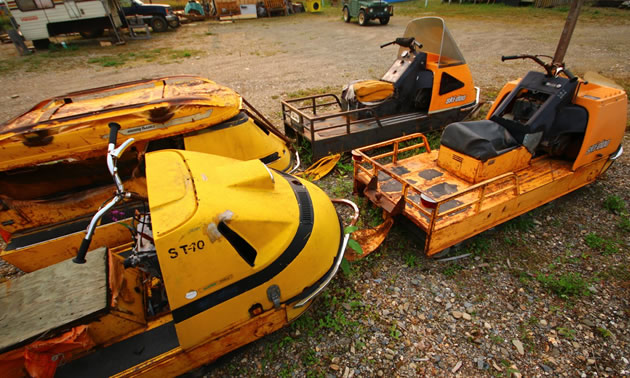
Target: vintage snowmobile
{"x": 428, "y": 86}
{"x": 52, "y": 174}
{"x": 545, "y": 136}
{"x": 225, "y": 252}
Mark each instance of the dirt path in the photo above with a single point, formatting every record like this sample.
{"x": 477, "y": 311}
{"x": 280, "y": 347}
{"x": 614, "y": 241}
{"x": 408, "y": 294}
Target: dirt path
{"x": 267, "y": 58}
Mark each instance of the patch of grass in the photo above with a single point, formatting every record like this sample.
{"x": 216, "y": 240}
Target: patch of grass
{"x": 604, "y": 332}
{"x": 452, "y": 269}
{"x": 411, "y": 260}
{"x": 312, "y": 91}
{"x": 566, "y": 285}
{"x": 497, "y": 339}
{"x": 164, "y": 55}
{"x": 309, "y": 358}
{"x": 606, "y": 246}
{"x": 345, "y": 168}
{"x": 523, "y": 223}
{"x": 479, "y": 246}
{"x": 624, "y": 224}
{"x": 615, "y": 204}
{"x": 394, "y": 332}
{"x": 567, "y": 333}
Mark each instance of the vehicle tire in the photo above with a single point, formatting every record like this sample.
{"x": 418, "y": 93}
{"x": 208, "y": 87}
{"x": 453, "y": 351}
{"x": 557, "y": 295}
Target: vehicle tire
{"x": 362, "y": 18}
{"x": 346, "y": 14}
{"x": 159, "y": 24}
{"x": 174, "y": 24}
{"x": 41, "y": 44}
{"x": 92, "y": 33}
{"x": 384, "y": 20}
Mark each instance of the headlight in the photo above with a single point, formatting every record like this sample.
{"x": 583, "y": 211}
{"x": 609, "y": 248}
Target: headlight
{"x": 370, "y": 10}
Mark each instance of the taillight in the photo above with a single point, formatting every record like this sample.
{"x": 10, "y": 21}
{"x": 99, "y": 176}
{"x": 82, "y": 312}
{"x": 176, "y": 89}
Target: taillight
{"x": 427, "y": 201}
{"x": 5, "y": 235}
{"x": 356, "y": 156}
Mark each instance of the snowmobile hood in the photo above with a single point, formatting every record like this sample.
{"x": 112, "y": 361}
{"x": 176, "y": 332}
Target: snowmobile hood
{"x": 74, "y": 126}
{"x": 234, "y": 229}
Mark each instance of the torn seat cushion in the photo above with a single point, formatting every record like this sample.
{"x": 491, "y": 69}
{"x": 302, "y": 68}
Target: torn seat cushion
{"x": 481, "y": 140}
{"x": 373, "y": 90}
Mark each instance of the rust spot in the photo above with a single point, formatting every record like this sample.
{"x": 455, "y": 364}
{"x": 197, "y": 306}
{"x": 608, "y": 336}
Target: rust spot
{"x": 161, "y": 115}
{"x": 37, "y": 138}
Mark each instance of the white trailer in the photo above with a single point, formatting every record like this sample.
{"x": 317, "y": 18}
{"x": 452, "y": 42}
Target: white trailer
{"x": 39, "y": 20}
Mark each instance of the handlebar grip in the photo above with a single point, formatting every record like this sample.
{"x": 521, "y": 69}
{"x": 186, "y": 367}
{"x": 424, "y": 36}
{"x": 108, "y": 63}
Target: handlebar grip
{"x": 386, "y": 44}
{"x": 113, "y": 132}
{"x": 569, "y": 74}
{"x": 80, "y": 257}
{"x": 509, "y": 57}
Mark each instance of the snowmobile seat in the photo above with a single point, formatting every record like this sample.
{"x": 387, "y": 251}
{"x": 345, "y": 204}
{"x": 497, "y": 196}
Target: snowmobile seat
{"x": 371, "y": 91}
{"x": 481, "y": 140}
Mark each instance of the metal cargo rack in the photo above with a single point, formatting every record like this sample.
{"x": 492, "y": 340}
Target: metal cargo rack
{"x": 321, "y": 120}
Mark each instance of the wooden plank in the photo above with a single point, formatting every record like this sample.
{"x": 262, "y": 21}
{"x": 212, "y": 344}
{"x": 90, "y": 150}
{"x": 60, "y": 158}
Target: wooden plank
{"x": 52, "y": 297}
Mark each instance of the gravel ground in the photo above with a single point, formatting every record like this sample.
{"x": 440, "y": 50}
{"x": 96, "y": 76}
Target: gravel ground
{"x": 498, "y": 312}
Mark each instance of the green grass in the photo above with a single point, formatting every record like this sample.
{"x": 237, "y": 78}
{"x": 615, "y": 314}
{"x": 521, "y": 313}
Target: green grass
{"x": 163, "y": 55}
{"x": 567, "y": 333}
{"x": 598, "y": 243}
{"x": 615, "y": 204}
{"x": 565, "y": 285}
{"x": 452, "y": 269}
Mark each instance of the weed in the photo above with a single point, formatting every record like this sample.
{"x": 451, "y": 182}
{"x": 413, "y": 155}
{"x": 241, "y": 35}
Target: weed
{"x": 345, "y": 168}
{"x": 161, "y": 54}
{"x": 394, "y": 332}
{"x": 497, "y": 339}
{"x": 523, "y": 223}
{"x": 533, "y": 320}
{"x": 452, "y": 270}
{"x": 410, "y": 260}
{"x": 309, "y": 357}
{"x": 615, "y": 204}
{"x": 606, "y": 246}
{"x": 479, "y": 246}
{"x": 565, "y": 286}
{"x": 624, "y": 223}
{"x": 567, "y": 333}
{"x": 604, "y": 332}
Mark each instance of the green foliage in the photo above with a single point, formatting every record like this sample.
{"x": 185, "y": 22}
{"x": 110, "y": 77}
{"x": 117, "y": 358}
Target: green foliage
{"x": 604, "y": 332}
{"x": 624, "y": 224}
{"x": 567, "y": 333}
{"x": 411, "y": 260}
{"x": 479, "y": 246}
{"x": 394, "y": 332}
{"x": 452, "y": 269}
{"x": 345, "y": 168}
{"x": 565, "y": 286}
{"x": 606, "y": 246}
{"x": 523, "y": 223}
{"x": 615, "y": 204}
{"x": 162, "y": 55}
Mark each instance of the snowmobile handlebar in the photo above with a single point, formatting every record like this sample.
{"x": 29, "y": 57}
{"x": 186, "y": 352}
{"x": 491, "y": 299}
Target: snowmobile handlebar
{"x": 113, "y": 154}
{"x": 409, "y": 43}
{"x": 551, "y": 68}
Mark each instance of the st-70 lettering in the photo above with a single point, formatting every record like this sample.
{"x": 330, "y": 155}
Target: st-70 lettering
{"x": 185, "y": 249}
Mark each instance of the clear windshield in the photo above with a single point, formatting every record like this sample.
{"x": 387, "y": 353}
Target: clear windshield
{"x": 436, "y": 39}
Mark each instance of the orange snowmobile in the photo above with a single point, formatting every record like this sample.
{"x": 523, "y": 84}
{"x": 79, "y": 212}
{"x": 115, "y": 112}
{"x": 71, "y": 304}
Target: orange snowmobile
{"x": 546, "y": 135}
{"x": 428, "y": 86}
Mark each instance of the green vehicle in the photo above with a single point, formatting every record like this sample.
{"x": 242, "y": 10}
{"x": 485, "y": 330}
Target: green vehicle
{"x": 367, "y": 10}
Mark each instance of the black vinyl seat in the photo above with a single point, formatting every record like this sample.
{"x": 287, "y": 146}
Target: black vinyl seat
{"x": 481, "y": 140}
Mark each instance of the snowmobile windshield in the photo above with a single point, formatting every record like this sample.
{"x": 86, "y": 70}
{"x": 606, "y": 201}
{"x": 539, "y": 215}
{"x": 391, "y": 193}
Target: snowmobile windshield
{"x": 436, "y": 39}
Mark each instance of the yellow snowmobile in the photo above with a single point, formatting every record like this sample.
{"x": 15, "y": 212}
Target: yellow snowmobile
{"x": 545, "y": 136}
{"x": 52, "y": 157}
{"x": 225, "y": 252}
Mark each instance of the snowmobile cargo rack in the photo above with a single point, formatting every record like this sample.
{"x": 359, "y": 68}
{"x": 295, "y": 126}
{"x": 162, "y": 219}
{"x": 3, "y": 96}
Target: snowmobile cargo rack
{"x": 321, "y": 120}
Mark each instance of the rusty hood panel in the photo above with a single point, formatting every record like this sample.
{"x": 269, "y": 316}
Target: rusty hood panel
{"x": 76, "y": 125}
